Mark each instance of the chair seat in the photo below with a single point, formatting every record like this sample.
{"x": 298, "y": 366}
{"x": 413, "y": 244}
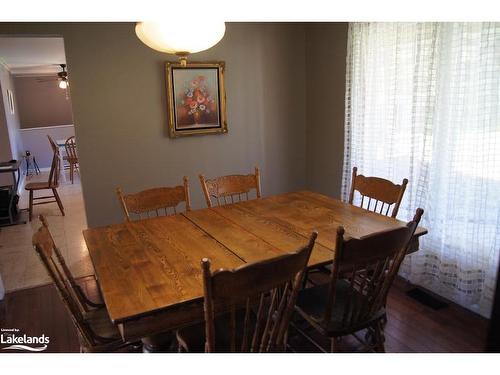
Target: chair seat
{"x": 101, "y": 324}
{"x": 192, "y": 338}
{"x": 311, "y": 305}
{"x": 37, "y": 186}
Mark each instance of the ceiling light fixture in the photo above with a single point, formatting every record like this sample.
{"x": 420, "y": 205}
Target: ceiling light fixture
{"x": 179, "y": 38}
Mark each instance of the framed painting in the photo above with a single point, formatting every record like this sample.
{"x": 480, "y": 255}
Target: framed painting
{"x": 196, "y": 99}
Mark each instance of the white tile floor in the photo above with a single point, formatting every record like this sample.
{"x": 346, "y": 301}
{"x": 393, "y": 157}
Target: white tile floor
{"x": 20, "y": 266}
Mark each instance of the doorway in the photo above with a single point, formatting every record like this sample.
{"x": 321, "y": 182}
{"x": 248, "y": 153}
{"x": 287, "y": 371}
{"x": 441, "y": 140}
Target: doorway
{"x": 36, "y": 82}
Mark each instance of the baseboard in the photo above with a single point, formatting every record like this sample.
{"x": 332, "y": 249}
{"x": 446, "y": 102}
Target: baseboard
{"x": 47, "y": 169}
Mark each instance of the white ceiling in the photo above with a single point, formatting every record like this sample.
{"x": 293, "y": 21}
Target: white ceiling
{"x": 32, "y": 56}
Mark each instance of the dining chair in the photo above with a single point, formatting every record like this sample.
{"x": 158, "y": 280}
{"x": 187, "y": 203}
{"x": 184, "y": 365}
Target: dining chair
{"x": 259, "y": 298}
{"x": 71, "y": 157}
{"x": 381, "y": 191}
{"x": 378, "y": 190}
{"x": 354, "y": 299}
{"x": 231, "y": 188}
{"x": 51, "y": 184}
{"x": 95, "y": 330}
{"x": 53, "y": 143}
{"x": 84, "y": 302}
{"x": 155, "y": 201}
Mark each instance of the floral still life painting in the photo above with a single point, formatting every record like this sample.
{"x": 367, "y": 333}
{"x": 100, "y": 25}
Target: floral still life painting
{"x": 196, "y": 99}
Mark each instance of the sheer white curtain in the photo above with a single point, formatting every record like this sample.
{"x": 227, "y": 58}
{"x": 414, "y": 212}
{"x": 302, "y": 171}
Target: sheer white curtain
{"x": 422, "y": 102}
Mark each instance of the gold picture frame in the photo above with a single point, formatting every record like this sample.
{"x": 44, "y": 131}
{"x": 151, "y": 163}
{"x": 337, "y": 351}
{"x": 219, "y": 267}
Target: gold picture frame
{"x": 196, "y": 98}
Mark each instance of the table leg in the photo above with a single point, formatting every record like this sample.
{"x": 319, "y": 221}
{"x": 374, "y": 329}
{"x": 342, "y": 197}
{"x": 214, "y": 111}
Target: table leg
{"x": 160, "y": 343}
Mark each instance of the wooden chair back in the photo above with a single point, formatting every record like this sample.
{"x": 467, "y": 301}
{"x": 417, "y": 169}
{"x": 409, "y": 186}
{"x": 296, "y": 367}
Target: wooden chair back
{"x": 271, "y": 286}
{"x": 155, "y": 201}
{"x": 53, "y": 144}
{"x": 50, "y": 256}
{"x": 70, "y": 146}
{"x": 55, "y": 166}
{"x": 378, "y": 190}
{"x": 230, "y": 189}
{"x": 371, "y": 263}
{"x": 68, "y": 276}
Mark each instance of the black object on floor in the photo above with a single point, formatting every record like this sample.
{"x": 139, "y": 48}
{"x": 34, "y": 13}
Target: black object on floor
{"x": 426, "y": 299}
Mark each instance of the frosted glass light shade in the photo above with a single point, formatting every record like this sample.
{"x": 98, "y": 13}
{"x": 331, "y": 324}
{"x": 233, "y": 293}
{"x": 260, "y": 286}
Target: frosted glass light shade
{"x": 179, "y": 36}
{"x": 63, "y": 84}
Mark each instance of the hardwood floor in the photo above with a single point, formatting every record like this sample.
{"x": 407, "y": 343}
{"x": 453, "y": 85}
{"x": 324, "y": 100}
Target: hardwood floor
{"x": 411, "y": 327}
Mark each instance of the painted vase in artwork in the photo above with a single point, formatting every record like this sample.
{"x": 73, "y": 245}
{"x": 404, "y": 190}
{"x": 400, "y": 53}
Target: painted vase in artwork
{"x": 197, "y": 117}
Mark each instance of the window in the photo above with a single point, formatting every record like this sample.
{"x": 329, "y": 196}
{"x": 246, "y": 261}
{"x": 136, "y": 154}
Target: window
{"x": 422, "y": 102}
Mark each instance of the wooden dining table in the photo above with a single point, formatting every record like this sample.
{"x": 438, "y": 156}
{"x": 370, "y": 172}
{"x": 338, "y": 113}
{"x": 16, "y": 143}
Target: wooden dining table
{"x": 149, "y": 270}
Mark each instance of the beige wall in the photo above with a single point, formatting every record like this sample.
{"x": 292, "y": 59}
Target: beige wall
{"x": 41, "y": 103}
{"x": 118, "y": 95}
{"x": 10, "y": 141}
{"x": 8, "y": 120}
{"x": 326, "y": 51}
{"x": 5, "y": 151}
